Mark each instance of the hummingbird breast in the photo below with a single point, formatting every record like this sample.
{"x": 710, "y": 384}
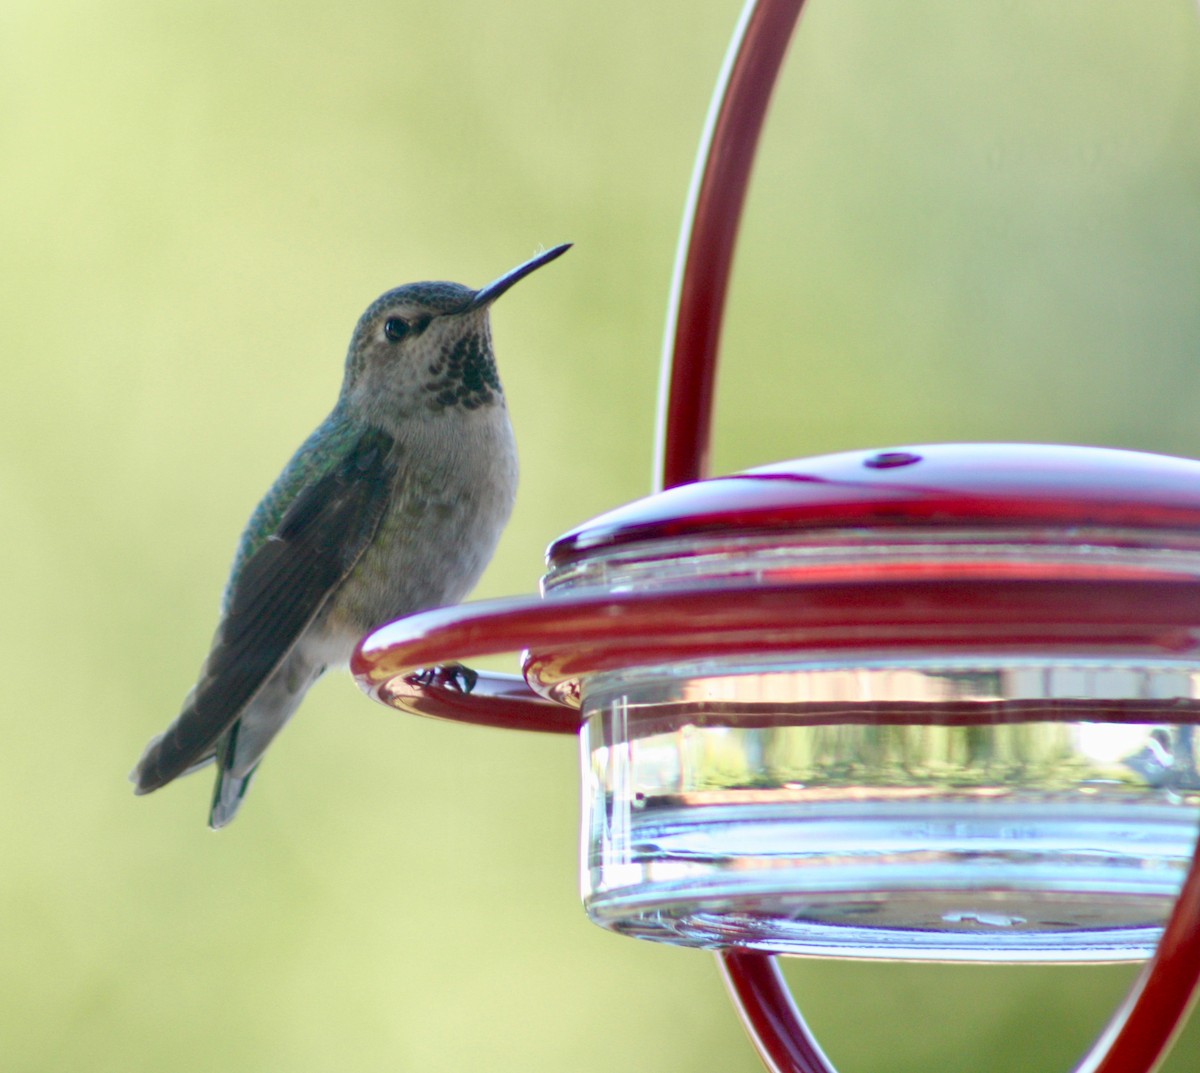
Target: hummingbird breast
{"x": 454, "y": 490}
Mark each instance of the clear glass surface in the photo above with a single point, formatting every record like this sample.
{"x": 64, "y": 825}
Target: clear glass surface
{"x": 722, "y": 558}
{"x": 988, "y": 809}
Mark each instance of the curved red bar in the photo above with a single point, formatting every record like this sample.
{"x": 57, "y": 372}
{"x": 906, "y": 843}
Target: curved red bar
{"x": 710, "y": 229}
{"x": 769, "y": 1014}
{"x": 567, "y": 637}
{"x": 1146, "y": 1023}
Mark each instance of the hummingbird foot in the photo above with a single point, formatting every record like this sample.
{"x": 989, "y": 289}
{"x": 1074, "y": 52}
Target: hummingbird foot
{"x": 456, "y": 676}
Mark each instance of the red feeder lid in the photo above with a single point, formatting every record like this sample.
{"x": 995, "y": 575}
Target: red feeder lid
{"x": 976, "y": 484}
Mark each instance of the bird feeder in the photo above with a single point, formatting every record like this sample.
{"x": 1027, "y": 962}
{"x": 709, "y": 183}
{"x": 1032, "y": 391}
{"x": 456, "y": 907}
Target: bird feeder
{"x": 932, "y": 702}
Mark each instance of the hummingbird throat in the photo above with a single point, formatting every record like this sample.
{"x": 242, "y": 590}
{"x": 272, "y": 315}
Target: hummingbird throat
{"x": 463, "y": 374}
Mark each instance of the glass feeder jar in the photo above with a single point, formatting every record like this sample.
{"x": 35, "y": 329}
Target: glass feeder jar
{"x": 961, "y": 729}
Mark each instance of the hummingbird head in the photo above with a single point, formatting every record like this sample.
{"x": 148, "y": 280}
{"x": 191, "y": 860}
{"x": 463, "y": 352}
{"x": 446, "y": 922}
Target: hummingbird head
{"x": 428, "y": 346}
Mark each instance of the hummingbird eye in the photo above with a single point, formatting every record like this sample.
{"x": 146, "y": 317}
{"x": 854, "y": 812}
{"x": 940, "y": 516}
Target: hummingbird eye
{"x": 397, "y": 328}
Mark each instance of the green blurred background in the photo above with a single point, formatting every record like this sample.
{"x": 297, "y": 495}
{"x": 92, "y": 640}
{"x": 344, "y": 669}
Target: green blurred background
{"x": 969, "y": 221}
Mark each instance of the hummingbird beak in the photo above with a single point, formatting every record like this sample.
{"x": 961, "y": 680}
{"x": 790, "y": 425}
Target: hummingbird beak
{"x": 485, "y": 296}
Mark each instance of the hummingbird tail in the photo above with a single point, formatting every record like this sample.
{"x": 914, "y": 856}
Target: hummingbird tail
{"x": 241, "y": 749}
{"x": 227, "y": 796}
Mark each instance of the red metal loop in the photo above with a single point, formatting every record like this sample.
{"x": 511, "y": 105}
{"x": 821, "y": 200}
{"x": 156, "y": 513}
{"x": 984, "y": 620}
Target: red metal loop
{"x": 710, "y": 227}
{"x": 568, "y": 637}
{"x": 769, "y": 1014}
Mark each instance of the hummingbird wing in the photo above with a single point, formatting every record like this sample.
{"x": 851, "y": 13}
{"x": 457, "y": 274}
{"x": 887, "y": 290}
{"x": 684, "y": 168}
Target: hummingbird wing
{"x": 277, "y": 592}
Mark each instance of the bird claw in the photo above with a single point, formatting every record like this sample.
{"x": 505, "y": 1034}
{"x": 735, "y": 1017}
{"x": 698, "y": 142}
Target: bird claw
{"x": 446, "y": 676}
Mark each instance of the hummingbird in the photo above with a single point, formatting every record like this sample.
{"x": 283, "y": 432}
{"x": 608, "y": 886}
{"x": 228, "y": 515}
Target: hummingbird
{"x": 394, "y": 504}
